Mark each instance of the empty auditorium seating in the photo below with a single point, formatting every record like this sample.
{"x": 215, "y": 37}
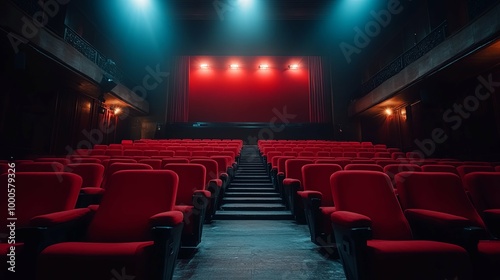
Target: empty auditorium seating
{"x": 92, "y": 175}
{"x": 361, "y": 166}
{"x": 318, "y": 201}
{"x": 438, "y": 207}
{"x": 155, "y": 163}
{"x": 484, "y": 189}
{"x": 36, "y": 193}
{"x": 466, "y": 169}
{"x": 375, "y": 240}
{"x": 214, "y": 185}
{"x": 192, "y": 200}
{"x": 118, "y": 166}
{"x": 63, "y": 161}
{"x": 39, "y": 167}
{"x": 133, "y": 232}
{"x": 392, "y": 169}
{"x": 292, "y": 184}
{"x": 440, "y": 168}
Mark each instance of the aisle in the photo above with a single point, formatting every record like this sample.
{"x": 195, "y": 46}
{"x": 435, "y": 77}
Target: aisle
{"x": 257, "y": 249}
{"x": 251, "y": 195}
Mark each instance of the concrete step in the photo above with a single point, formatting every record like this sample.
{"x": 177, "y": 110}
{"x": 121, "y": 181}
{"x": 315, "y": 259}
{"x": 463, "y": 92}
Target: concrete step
{"x": 253, "y": 207}
{"x": 251, "y": 199}
{"x": 253, "y": 215}
{"x": 251, "y": 194}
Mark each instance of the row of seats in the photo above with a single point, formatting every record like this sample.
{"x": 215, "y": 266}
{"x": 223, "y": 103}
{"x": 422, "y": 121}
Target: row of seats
{"x": 432, "y": 232}
{"x": 135, "y": 230}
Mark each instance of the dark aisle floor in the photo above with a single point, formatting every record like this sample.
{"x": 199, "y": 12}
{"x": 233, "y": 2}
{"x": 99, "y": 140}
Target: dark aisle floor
{"x": 257, "y": 249}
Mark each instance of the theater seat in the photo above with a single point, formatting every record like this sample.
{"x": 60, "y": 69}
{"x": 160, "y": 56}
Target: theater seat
{"x": 36, "y": 193}
{"x": 92, "y": 175}
{"x": 213, "y": 184}
{"x": 318, "y": 201}
{"x": 375, "y": 240}
{"x": 438, "y": 208}
{"x": 192, "y": 200}
{"x": 440, "y": 168}
{"x": 293, "y": 183}
{"x": 484, "y": 189}
{"x": 133, "y": 234}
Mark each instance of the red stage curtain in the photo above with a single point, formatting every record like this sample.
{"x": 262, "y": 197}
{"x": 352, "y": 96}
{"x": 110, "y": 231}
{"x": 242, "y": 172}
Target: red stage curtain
{"x": 178, "y": 104}
{"x": 319, "y": 91}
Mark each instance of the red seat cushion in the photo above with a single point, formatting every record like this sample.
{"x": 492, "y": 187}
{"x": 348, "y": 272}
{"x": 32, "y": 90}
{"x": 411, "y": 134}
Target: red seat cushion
{"x": 403, "y": 260}
{"x": 86, "y": 260}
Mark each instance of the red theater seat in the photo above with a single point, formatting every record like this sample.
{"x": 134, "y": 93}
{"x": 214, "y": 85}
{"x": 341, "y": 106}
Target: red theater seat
{"x": 36, "y": 193}
{"x": 192, "y": 200}
{"x": 118, "y": 166}
{"x": 214, "y": 185}
{"x": 133, "y": 232}
{"x": 440, "y": 168}
{"x": 484, "y": 189}
{"x": 392, "y": 169}
{"x": 155, "y": 163}
{"x": 466, "y": 169}
{"x": 438, "y": 209}
{"x": 318, "y": 201}
{"x": 293, "y": 183}
{"x": 375, "y": 240}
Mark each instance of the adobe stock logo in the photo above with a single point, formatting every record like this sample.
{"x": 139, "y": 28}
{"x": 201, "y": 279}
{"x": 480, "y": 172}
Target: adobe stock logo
{"x": 363, "y": 38}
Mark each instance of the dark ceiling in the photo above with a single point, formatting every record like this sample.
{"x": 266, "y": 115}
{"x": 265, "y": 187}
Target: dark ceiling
{"x": 275, "y": 9}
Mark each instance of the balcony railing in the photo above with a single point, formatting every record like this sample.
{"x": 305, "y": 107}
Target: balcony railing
{"x": 436, "y": 37}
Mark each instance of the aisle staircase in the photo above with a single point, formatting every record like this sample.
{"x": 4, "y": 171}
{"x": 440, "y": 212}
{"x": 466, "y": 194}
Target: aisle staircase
{"x": 251, "y": 194}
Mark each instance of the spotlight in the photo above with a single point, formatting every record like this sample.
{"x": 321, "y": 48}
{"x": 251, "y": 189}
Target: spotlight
{"x": 264, "y": 66}
{"x": 204, "y": 66}
{"x": 117, "y": 110}
{"x": 388, "y": 112}
{"x": 293, "y": 67}
{"x": 234, "y": 66}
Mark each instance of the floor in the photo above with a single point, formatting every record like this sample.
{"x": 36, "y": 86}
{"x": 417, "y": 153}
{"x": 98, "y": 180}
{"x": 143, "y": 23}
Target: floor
{"x": 256, "y": 249}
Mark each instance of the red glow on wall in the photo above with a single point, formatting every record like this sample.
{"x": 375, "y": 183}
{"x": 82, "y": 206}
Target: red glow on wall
{"x": 248, "y": 94}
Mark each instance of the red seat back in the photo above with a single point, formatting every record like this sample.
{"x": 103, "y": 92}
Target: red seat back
{"x": 39, "y": 193}
{"x": 371, "y": 194}
{"x": 132, "y": 197}
{"x": 316, "y": 177}
{"x": 484, "y": 188}
{"x": 442, "y": 192}
{"x": 39, "y": 167}
{"x": 91, "y": 173}
{"x": 191, "y": 178}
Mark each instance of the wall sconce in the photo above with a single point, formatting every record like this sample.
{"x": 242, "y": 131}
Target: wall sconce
{"x": 403, "y": 114}
{"x": 388, "y": 112}
{"x": 263, "y": 66}
{"x": 234, "y": 66}
{"x": 204, "y": 66}
{"x": 293, "y": 67}
{"x": 115, "y": 110}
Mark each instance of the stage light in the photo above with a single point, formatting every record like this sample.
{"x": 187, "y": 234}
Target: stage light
{"x": 293, "y": 67}
{"x": 234, "y": 66}
{"x": 204, "y": 66}
{"x": 264, "y": 66}
{"x": 141, "y": 3}
{"x": 117, "y": 110}
{"x": 244, "y": 3}
{"x": 388, "y": 112}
